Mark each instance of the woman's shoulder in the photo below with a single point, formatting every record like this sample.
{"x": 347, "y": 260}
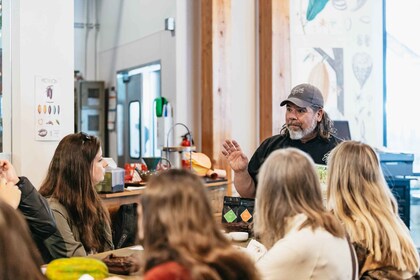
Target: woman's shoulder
{"x": 317, "y": 237}
{"x": 304, "y": 251}
{"x": 168, "y": 270}
{"x": 56, "y": 206}
{"x": 302, "y": 240}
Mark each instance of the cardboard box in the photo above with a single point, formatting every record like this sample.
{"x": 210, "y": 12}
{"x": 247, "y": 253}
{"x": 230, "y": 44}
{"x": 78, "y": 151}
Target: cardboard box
{"x": 113, "y": 181}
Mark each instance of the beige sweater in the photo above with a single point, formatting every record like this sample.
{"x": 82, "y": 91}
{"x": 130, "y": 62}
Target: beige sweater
{"x": 307, "y": 254}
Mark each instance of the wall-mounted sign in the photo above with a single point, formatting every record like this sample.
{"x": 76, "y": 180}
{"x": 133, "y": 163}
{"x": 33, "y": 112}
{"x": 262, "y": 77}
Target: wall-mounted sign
{"x": 47, "y": 109}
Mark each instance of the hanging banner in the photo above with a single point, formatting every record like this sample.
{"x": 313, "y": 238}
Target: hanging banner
{"x": 47, "y": 109}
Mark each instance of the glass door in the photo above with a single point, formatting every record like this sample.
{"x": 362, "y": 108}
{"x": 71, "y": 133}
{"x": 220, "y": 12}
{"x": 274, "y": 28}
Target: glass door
{"x": 137, "y": 90}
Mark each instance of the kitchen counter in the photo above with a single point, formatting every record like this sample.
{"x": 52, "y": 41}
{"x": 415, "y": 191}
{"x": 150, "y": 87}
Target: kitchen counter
{"x": 217, "y": 189}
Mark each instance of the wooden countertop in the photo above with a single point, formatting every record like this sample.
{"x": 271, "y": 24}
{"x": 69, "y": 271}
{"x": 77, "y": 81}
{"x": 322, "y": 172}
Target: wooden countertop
{"x": 217, "y": 189}
{"x": 141, "y": 188}
{"x": 126, "y": 192}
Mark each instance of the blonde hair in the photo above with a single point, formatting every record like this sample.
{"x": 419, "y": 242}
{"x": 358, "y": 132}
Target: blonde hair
{"x": 178, "y": 225}
{"x": 289, "y": 185}
{"x": 360, "y": 197}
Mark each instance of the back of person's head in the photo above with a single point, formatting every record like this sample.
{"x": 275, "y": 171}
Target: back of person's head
{"x": 20, "y": 259}
{"x": 360, "y": 197}
{"x": 288, "y": 185}
{"x": 178, "y": 225}
{"x": 69, "y": 180}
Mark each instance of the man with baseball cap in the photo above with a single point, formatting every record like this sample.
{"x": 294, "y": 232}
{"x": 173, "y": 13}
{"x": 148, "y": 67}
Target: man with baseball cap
{"x": 307, "y": 128}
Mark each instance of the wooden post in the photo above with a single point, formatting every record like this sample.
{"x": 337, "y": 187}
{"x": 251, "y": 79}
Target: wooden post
{"x": 207, "y": 77}
{"x": 265, "y": 32}
{"x": 274, "y": 64}
{"x": 215, "y": 47}
{"x": 281, "y": 61}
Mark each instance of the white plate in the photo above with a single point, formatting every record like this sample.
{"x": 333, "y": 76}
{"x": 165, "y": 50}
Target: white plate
{"x": 239, "y": 236}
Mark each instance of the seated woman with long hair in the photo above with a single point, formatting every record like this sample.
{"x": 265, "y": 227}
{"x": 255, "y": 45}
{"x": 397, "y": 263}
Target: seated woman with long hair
{"x": 20, "y": 258}
{"x": 180, "y": 236}
{"x": 360, "y": 197}
{"x": 83, "y": 223}
{"x": 304, "y": 241}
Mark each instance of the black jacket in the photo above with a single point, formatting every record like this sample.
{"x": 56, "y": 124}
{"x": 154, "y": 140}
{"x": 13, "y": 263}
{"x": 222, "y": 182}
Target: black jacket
{"x": 36, "y": 210}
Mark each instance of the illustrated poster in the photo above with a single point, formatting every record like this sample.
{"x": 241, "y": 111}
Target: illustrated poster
{"x": 47, "y": 109}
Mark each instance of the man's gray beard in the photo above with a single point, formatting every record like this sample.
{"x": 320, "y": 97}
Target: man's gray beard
{"x": 297, "y": 135}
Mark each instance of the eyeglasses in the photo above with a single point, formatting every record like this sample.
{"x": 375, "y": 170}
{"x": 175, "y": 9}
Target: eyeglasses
{"x": 85, "y": 137}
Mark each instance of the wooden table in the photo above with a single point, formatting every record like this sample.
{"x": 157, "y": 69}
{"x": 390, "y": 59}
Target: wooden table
{"x": 113, "y": 201}
{"x": 122, "y": 252}
{"x": 140, "y": 253}
{"x": 216, "y": 191}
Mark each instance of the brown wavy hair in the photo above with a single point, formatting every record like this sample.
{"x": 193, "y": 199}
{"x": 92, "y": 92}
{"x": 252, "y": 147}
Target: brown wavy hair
{"x": 325, "y": 128}
{"x": 69, "y": 180}
{"x": 289, "y": 185}
{"x": 20, "y": 258}
{"x": 360, "y": 197}
{"x": 179, "y": 225}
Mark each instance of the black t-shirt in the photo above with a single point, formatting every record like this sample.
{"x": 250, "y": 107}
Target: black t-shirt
{"x": 318, "y": 148}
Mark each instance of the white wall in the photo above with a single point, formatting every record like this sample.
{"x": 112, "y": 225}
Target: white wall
{"x": 187, "y": 71}
{"x": 85, "y": 38}
{"x": 244, "y": 98}
{"x": 127, "y": 21}
{"x": 132, "y": 33}
{"x": 41, "y": 43}
{"x": 128, "y": 41}
{"x": 104, "y": 25}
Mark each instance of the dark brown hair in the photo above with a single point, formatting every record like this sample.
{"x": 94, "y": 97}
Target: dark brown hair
{"x": 20, "y": 259}
{"x": 69, "y": 180}
{"x": 179, "y": 225}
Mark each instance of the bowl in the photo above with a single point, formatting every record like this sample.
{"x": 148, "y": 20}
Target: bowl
{"x": 227, "y": 235}
{"x": 151, "y": 162}
{"x": 239, "y": 235}
{"x": 146, "y": 174}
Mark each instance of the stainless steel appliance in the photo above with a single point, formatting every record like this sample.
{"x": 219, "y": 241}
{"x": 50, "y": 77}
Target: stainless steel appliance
{"x": 90, "y": 108}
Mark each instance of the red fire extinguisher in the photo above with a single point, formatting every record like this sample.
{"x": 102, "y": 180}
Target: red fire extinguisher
{"x": 186, "y": 141}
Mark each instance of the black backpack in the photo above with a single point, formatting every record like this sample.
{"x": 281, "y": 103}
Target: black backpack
{"x": 124, "y": 229}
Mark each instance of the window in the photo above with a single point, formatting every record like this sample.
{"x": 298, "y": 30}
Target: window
{"x": 134, "y": 129}
{"x": 403, "y": 91}
{"x": 402, "y": 75}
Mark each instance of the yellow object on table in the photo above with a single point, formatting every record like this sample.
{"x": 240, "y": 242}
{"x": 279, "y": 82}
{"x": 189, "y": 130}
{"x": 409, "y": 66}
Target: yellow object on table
{"x": 75, "y": 267}
{"x": 200, "y": 163}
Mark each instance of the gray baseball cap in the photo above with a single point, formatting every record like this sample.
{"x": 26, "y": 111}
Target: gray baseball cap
{"x": 305, "y": 95}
